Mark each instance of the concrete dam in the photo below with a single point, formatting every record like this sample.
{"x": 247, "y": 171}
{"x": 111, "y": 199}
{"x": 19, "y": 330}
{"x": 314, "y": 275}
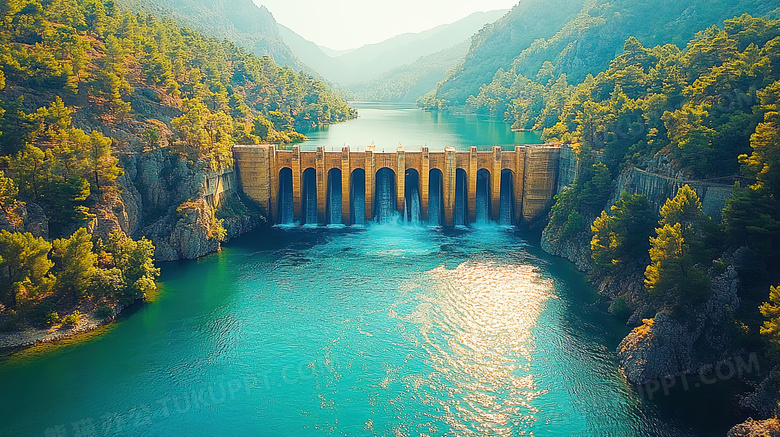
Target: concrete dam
{"x": 446, "y": 187}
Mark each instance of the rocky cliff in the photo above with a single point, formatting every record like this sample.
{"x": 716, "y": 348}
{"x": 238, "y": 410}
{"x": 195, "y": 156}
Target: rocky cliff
{"x": 662, "y": 345}
{"x": 173, "y": 202}
{"x": 659, "y": 180}
{"x": 164, "y": 197}
{"x": 665, "y": 346}
{"x": 575, "y": 249}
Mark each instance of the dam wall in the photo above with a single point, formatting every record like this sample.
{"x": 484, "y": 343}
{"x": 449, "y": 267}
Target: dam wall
{"x": 508, "y": 186}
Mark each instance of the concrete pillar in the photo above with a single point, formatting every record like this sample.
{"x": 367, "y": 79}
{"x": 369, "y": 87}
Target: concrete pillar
{"x": 296, "y": 176}
{"x": 448, "y": 184}
{"x": 495, "y": 184}
{"x": 400, "y": 179}
{"x": 273, "y": 207}
{"x": 471, "y": 183}
{"x": 370, "y": 164}
{"x": 322, "y": 184}
{"x": 518, "y": 181}
{"x": 346, "y": 177}
{"x": 425, "y": 166}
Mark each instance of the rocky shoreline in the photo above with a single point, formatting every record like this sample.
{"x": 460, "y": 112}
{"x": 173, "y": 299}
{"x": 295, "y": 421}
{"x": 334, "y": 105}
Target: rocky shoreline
{"x": 661, "y": 347}
{"x": 15, "y": 341}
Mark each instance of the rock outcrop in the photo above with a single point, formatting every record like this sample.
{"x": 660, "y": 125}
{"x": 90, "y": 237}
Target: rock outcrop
{"x": 25, "y": 217}
{"x": 575, "y": 249}
{"x": 148, "y": 203}
{"x": 756, "y": 428}
{"x": 172, "y": 201}
{"x": 765, "y": 400}
{"x": 666, "y": 346}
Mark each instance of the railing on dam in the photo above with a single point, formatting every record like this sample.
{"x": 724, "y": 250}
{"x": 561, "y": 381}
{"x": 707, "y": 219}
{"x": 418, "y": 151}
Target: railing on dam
{"x": 446, "y": 187}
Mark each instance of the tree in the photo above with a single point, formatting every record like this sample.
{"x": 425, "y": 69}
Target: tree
{"x": 76, "y": 263}
{"x": 134, "y": 260}
{"x": 281, "y": 121}
{"x": 262, "y": 127}
{"x": 190, "y": 127}
{"x": 8, "y": 193}
{"x": 751, "y": 219}
{"x": 764, "y": 162}
{"x": 112, "y": 80}
{"x": 53, "y": 123}
{"x": 672, "y": 278}
{"x": 691, "y": 138}
{"x": 595, "y": 187}
{"x": 675, "y": 276}
{"x": 771, "y": 310}
{"x": 622, "y": 236}
{"x": 29, "y": 170}
{"x": 16, "y": 126}
{"x": 24, "y": 267}
{"x": 208, "y": 133}
{"x": 100, "y": 164}
{"x": 685, "y": 208}
{"x": 151, "y": 137}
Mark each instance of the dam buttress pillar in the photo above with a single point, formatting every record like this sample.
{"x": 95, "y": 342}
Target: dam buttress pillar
{"x": 425, "y": 168}
{"x": 448, "y": 184}
{"x": 495, "y": 185}
{"x": 346, "y": 174}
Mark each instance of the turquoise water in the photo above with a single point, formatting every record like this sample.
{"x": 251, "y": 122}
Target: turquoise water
{"x": 386, "y": 330}
{"x": 388, "y": 126}
{"x": 377, "y": 330}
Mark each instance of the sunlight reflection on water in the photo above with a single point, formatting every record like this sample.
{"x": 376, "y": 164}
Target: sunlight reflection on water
{"x": 477, "y": 331}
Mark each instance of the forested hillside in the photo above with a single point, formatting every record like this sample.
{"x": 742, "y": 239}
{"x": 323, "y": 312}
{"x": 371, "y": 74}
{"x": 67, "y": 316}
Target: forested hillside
{"x": 576, "y": 38}
{"x": 84, "y": 84}
{"x": 239, "y": 21}
{"x": 119, "y": 70}
{"x": 708, "y": 112}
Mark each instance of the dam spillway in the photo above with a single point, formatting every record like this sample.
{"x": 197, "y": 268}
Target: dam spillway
{"x": 445, "y": 187}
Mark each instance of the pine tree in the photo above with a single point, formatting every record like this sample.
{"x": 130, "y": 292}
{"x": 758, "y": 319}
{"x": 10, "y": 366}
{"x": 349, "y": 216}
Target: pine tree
{"x": 76, "y": 263}
{"x": 771, "y": 310}
{"x": 24, "y": 267}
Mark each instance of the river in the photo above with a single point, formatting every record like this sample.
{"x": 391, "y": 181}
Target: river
{"x": 379, "y": 330}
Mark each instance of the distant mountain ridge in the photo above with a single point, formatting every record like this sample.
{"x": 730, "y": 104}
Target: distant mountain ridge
{"x": 580, "y": 37}
{"x": 408, "y": 82}
{"x": 241, "y": 21}
{"x": 373, "y": 60}
{"x": 400, "y": 68}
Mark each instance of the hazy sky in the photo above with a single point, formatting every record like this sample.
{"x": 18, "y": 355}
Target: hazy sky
{"x": 346, "y": 24}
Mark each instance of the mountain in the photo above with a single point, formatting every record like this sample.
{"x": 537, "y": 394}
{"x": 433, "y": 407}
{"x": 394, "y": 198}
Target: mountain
{"x": 371, "y": 61}
{"x": 580, "y": 37}
{"x": 308, "y": 52}
{"x": 334, "y": 53}
{"x": 408, "y": 82}
{"x": 240, "y": 21}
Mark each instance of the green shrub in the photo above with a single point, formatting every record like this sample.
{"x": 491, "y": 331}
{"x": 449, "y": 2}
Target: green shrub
{"x": 51, "y": 318}
{"x": 71, "y": 320}
{"x": 43, "y": 314}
